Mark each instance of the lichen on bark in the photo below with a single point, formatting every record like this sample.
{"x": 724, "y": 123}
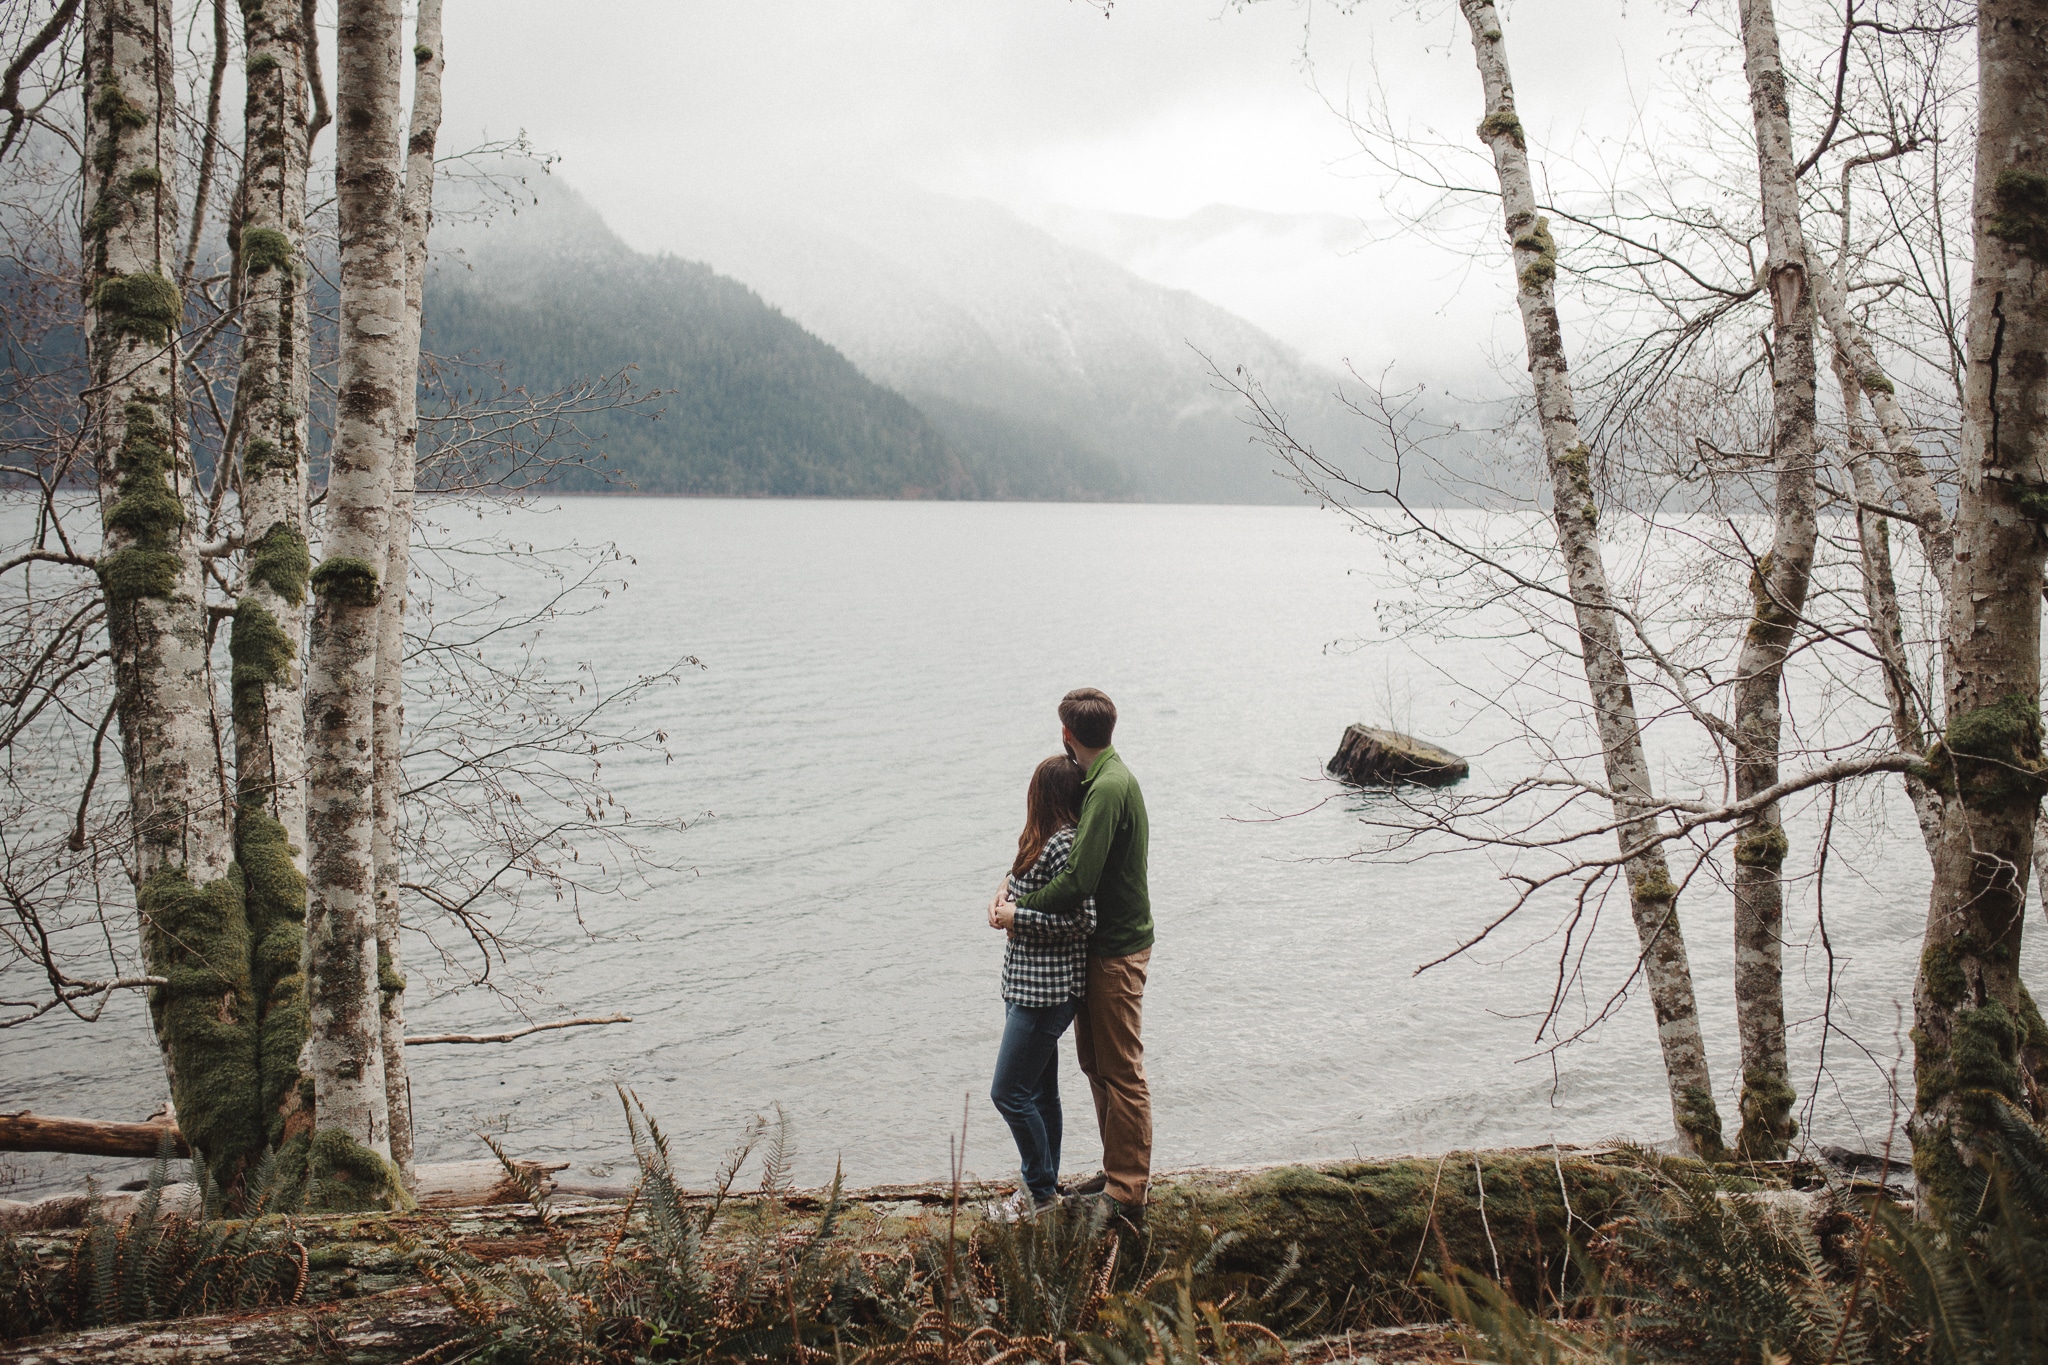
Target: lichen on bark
{"x": 2021, "y": 219}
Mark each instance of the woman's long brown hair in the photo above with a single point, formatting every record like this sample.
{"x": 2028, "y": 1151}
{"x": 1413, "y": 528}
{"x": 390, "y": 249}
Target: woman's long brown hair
{"x": 1053, "y": 803}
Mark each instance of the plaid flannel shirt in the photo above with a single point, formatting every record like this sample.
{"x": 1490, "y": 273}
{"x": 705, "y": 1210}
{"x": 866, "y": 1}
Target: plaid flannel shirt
{"x": 1046, "y": 962}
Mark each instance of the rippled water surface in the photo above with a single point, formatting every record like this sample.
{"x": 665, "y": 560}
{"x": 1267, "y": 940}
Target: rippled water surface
{"x": 879, "y": 680}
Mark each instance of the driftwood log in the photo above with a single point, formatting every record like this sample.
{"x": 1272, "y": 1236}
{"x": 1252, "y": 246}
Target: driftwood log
{"x": 443, "y": 1185}
{"x": 479, "y": 1184}
{"x": 383, "y": 1329}
{"x": 1373, "y": 757}
{"x": 1354, "y": 1232}
{"x": 23, "y": 1131}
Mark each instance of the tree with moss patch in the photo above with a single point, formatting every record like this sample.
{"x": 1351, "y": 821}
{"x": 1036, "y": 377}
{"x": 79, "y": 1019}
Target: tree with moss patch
{"x": 1980, "y": 1047}
{"x": 1778, "y": 588}
{"x": 389, "y": 707}
{"x": 342, "y": 983}
{"x": 194, "y": 931}
{"x": 272, "y": 401}
{"x": 1653, "y": 899}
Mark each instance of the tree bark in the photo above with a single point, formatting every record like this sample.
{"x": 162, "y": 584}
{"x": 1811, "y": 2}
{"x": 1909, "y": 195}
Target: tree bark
{"x": 389, "y": 708}
{"x": 346, "y": 1048}
{"x": 1778, "y": 586}
{"x": 1902, "y": 452}
{"x": 1881, "y": 604}
{"x": 1980, "y": 1046}
{"x": 1653, "y": 899}
{"x": 194, "y": 926}
{"x": 271, "y": 397}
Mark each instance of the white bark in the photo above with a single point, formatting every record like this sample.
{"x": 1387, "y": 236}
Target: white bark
{"x": 1902, "y": 452}
{"x": 148, "y": 560}
{"x": 1653, "y": 899}
{"x": 418, "y": 217}
{"x": 1779, "y": 587}
{"x": 1881, "y": 602}
{"x": 271, "y": 395}
{"x": 346, "y": 1049}
{"x": 149, "y": 565}
{"x": 272, "y": 391}
{"x": 1970, "y": 1002}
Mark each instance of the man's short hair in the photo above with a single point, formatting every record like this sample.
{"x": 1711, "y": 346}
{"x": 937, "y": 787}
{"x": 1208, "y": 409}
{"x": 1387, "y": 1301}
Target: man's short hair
{"x": 1090, "y": 717}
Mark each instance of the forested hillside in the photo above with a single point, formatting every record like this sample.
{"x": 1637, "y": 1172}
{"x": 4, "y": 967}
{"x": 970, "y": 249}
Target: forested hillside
{"x": 751, "y": 403}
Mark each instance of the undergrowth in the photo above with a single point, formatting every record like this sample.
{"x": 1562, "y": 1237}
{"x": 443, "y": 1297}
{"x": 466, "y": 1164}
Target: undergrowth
{"x": 160, "y": 1262}
{"x": 679, "y": 1277}
{"x": 1707, "y": 1269}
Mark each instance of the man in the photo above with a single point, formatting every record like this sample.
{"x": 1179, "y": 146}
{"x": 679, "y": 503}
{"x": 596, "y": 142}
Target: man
{"x": 1108, "y": 863}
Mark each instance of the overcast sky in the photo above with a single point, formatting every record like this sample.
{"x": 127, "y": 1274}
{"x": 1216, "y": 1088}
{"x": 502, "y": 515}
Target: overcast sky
{"x": 1159, "y": 109}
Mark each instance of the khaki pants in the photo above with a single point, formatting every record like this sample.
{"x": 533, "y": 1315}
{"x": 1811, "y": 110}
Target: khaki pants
{"x": 1112, "y": 1055}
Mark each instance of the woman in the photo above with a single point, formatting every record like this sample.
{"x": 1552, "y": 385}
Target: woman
{"x": 1045, "y": 972}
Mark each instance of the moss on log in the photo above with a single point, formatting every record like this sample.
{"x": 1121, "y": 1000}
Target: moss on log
{"x": 1356, "y": 1233}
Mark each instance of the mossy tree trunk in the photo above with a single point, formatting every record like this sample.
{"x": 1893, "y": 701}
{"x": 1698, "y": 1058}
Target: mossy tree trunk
{"x": 271, "y": 395}
{"x": 1653, "y": 899}
{"x": 1980, "y": 1048}
{"x": 1778, "y": 589}
{"x": 346, "y": 1051}
{"x": 188, "y": 891}
{"x": 389, "y": 708}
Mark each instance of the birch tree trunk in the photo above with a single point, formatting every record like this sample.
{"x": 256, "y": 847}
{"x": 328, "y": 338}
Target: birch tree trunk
{"x": 271, "y": 395}
{"x": 1778, "y": 586}
{"x": 346, "y": 1049}
{"x": 418, "y": 217}
{"x": 194, "y": 926}
{"x": 1881, "y": 604}
{"x": 1902, "y": 452}
{"x": 1979, "y": 1042}
{"x": 1653, "y": 899}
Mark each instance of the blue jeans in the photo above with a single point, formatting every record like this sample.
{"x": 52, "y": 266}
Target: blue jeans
{"x": 1026, "y": 1090}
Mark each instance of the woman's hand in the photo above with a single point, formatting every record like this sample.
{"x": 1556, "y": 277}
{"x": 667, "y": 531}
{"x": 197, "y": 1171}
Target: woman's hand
{"x": 1002, "y": 915}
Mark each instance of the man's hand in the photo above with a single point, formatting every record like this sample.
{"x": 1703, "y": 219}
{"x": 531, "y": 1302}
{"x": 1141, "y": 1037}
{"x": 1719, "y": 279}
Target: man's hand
{"x": 1002, "y": 914}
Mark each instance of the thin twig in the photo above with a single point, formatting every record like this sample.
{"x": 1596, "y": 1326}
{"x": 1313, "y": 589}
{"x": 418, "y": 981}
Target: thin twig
{"x": 423, "y": 1038}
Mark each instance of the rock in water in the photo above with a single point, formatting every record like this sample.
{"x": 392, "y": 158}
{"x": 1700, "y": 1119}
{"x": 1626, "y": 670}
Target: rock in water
{"x": 1382, "y": 758}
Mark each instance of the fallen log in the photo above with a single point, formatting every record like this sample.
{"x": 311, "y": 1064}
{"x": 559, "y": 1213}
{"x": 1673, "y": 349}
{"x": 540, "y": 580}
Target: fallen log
{"x": 72, "y": 1210}
{"x": 23, "y": 1131}
{"x": 443, "y": 1185}
{"x": 479, "y": 1184}
{"x": 404, "y": 1325}
{"x": 1351, "y": 1234}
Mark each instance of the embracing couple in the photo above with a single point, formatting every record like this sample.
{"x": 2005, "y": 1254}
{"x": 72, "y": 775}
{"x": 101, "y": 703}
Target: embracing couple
{"x": 1079, "y": 922}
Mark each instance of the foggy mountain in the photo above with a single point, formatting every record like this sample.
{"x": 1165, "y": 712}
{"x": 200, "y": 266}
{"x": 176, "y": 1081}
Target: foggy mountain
{"x": 1321, "y": 282}
{"x": 1001, "y": 331}
{"x": 752, "y": 404}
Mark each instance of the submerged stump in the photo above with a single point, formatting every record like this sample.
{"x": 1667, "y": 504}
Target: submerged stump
{"x": 1372, "y": 757}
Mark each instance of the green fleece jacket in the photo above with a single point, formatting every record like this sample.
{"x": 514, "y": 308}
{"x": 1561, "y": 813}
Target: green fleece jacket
{"x": 1108, "y": 862}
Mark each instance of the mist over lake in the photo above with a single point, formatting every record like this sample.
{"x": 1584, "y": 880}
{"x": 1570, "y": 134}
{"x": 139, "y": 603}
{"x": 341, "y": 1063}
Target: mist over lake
{"x": 878, "y": 679}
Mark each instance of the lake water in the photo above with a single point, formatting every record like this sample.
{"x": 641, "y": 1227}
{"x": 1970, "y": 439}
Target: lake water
{"x": 879, "y": 680}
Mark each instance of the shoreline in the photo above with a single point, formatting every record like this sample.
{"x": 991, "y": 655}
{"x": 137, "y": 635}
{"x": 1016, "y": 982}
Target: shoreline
{"x": 1354, "y": 1240}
